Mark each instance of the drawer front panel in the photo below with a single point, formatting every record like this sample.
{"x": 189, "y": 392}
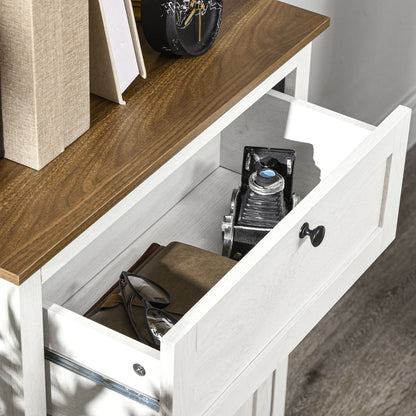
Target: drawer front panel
{"x": 271, "y": 286}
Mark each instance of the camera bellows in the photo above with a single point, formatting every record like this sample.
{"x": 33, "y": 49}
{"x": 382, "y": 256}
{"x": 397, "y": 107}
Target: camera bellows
{"x": 262, "y": 210}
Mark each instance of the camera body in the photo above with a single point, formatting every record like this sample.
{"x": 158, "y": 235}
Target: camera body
{"x": 263, "y": 199}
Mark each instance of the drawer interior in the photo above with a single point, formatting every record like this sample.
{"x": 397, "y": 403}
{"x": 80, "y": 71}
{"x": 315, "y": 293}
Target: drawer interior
{"x": 202, "y": 185}
{"x": 321, "y": 138}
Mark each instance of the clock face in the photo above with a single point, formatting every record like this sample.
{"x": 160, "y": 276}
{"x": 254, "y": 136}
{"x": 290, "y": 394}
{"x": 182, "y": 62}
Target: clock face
{"x": 181, "y": 27}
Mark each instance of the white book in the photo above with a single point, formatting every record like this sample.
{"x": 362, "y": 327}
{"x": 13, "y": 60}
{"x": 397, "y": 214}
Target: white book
{"x": 116, "y": 56}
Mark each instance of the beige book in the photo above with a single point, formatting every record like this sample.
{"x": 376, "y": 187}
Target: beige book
{"x": 76, "y": 82}
{"x": 1, "y": 130}
{"x": 44, "y": 77}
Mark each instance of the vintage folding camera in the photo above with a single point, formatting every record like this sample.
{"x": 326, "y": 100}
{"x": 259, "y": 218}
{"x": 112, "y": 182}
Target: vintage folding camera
{"x": 263, "y": 199}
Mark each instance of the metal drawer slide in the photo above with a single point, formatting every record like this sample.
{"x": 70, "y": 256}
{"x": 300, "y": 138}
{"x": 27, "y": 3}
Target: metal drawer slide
{"x": 101, "y": 380}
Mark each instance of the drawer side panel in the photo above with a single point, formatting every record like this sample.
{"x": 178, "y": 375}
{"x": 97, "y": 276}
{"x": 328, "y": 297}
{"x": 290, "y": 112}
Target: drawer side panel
{"x": 69, "y": 394}
{"x": 99, "y": 349}
{"x": 78, "y": 263}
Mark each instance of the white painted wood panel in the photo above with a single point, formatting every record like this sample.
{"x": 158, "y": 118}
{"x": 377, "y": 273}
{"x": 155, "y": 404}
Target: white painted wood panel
{"x": 22, "y": 375}
{"x": 393, "y": 180}
{"x": 263, "y": 397}
{"x": 297, "y": 82}
{"x": 321, "y": 138}
{"x": 269, "y": 398}
{"x": 100, "y": 349}
{"x": 76, "y": 396}
{"x": 280, "y": 275}
{"x": 246, "y": 409}
{"x": 279, "y": 388}
{"x": 74, "y": 266}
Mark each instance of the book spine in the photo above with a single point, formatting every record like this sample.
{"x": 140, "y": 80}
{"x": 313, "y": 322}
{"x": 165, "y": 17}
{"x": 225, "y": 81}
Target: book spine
{"x": 76, "y": 93}
{"x": 1, "y": 128}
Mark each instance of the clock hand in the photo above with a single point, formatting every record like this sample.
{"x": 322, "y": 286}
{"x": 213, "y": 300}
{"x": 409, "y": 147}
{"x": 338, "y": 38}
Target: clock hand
{"x": 201, "y": 6}
{"x": 200, "y": 22}
{"x": 190, "y": 16}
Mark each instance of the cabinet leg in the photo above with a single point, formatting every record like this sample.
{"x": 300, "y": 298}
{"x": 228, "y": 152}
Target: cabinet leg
{"x": 279, "y": 389}
{"x": 269, "y": 398}
{"x": 263, "y": 398}
{"x": 22, "y": 375}
{"x": 297, "y": 82}
{"x": 247, "y": 408}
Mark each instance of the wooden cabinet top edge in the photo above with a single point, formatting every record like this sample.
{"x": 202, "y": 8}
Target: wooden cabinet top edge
{"x": 42, "y": 212}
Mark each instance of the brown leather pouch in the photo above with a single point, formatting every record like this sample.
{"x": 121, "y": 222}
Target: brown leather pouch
{"x": 186, "y": 272}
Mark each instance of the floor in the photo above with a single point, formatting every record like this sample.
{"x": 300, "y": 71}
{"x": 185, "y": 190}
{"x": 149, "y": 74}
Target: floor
{"x": 361, "y": 358}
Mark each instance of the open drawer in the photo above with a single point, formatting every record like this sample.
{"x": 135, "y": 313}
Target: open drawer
{"x": 349, "y": 177}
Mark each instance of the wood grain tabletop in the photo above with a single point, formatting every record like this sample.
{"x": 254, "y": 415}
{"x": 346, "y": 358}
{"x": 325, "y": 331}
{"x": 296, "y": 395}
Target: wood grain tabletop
{"x": 42, "y": 212}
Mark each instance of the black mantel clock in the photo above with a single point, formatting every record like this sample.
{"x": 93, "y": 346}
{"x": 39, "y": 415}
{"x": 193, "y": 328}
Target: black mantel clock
{"x": 181, "y": 27}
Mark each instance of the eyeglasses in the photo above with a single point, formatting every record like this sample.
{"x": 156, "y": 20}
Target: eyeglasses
{"x": 154, "y": 298}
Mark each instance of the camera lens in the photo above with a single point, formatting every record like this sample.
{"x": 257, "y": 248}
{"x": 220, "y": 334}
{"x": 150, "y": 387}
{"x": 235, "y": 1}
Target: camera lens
{"x": 266, "y": 177}
{"x": 266, "y": 182}
{"x": 267, "y": 173}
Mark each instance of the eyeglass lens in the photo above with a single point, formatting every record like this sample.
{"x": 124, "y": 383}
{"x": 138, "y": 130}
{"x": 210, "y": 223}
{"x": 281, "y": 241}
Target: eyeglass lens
{"x": 159, "y": 322}
{"x": 154, "y": 297}
{"x": 148, "y": 290}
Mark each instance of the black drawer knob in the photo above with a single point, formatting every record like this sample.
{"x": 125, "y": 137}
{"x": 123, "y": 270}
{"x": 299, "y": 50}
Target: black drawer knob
{"x": 316, "y": 235}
